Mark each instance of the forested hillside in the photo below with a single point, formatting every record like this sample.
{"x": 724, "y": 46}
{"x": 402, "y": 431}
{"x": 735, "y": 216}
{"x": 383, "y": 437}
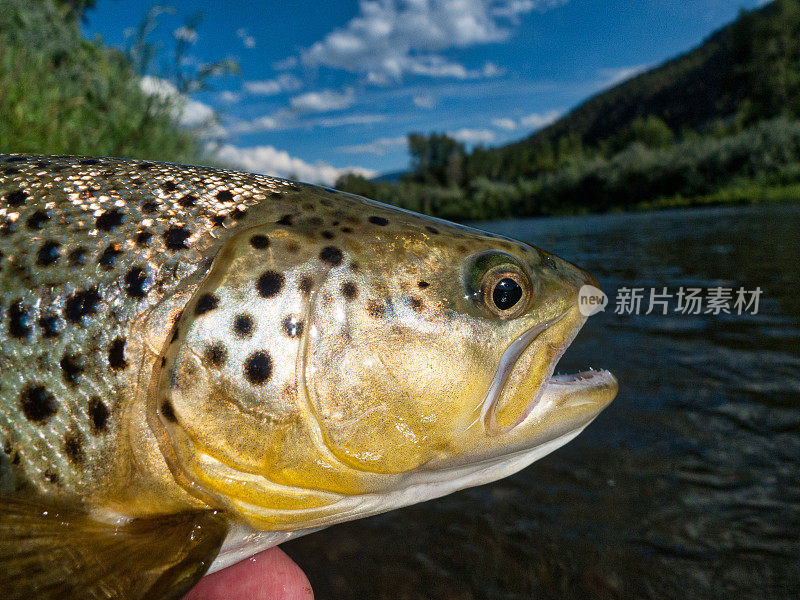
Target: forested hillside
{"x": 717, "y": 124}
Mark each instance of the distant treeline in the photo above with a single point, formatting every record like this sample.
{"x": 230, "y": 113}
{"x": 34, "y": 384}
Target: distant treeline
{"x": 767, "y": 153}
{"x": 721, "y": 118}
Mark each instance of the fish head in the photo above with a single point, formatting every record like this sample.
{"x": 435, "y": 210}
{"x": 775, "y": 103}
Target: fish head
{"x": 319, "y": 376}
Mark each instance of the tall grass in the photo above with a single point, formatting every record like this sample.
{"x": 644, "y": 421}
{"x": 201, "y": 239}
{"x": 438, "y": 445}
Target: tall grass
{"x": 61, "y": 94}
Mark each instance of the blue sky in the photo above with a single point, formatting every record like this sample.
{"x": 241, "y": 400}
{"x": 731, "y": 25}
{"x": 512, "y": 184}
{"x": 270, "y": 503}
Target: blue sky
{"x": 331, "y": 86}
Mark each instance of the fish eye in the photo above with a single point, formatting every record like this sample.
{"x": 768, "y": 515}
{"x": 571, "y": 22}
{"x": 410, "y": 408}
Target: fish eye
{"x": 506, "y": 293}
{"x": 499, "y": 284}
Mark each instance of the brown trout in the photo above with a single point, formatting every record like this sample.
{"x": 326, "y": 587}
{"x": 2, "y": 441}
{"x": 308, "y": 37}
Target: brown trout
{"x": 198, "y": 364}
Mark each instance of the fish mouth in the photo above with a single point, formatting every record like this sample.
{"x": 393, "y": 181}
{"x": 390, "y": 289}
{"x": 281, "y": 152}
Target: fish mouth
{"x": 574, "y": 399}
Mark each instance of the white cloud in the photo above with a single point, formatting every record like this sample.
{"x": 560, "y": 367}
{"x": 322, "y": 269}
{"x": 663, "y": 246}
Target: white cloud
{"x": 507, "y": 124}
{"x": 271, "y": 161}
{"x": 539, "y": 120}
{"x": 378, "y": 147}
{"x": 185, "y": 34}
{"x": 228, "y": 97}
{"x": 389, "y": 38}
{"x": 617, "y": 75}
{"x": 190, "y": 113}
{"x": 248, "y": 41}
{"x": 424, "y": 101}
{"x": 473, "y": 136}
{"x": 365, "y": 119}
{"x": 270, "y": 87}
{"x": 263, "y": 123}
{"x": 323, "y": 101}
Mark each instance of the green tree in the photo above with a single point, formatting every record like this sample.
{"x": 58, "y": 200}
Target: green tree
{"x": 436, "y": 159}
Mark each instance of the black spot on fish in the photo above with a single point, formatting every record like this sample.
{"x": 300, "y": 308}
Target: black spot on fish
{"x": 206, "y": 303}
{"x": 150, "y": 206}
{"x": 423, "y": 284}
{"x": 143, "y": 238}
{"x": 269, "y": 284}
{"x": 73, "y": 447}
{"x": 243, "y": 325}
{"x": 19, "y": 320}
{"x": 169, "y": 186}
{"x": 77, "y": 257}
{"x": 136, "y": 282}
{"x": 216, "y": 355}
{"x": 71, "y": 368}
{"x": 145, "y": 166}
{"x": 38, "y": 405}
{"x": 416, "y": 303}
{"x": 346, "y": 230}
{"x": 349, "y": 290}
{"x": 188, "y": 201}
{"x": 285, "y": 220}
{"x": 81, "y": 304}
{"x": 292, "y": 326}
{"x": 224, "y": 196}
{"x": 98, "y": 414}
{"x": 258, "y": 368}
{"x": 168, "y": 412}
{"x": 432, "y": 230}
{"x": 90, "y": 161}
{"x": 378, "y": 221}
{"x": 51, "y": 475}
{"x": 218, "y": 220}
{"x": 38, "y": 219}
{"x": 354, "y": 266}
{"x": 306, "y": 283}
{"x": 331, "y": 255}
{"x": 259, "y": 242}
{"x": 238, "y": 214}
{"x": 327, "y": 235}
{"x": 176, "y": 237}
{"x": 16, "y": 198}
{"x": 116, "y": 354}
{"x": 109, "y": 256}
{"x": 51, "y": 325}
{"x": 48, "y": 253}
{"x": 109, "y": 220}
{"x": 14, "y": 159}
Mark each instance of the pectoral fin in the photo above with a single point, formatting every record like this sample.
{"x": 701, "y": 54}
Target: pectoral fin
{"x": 49, "y": 551}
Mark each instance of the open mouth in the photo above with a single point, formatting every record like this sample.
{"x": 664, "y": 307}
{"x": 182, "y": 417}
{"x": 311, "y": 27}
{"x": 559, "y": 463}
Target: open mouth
{"x": 586, "y": 389}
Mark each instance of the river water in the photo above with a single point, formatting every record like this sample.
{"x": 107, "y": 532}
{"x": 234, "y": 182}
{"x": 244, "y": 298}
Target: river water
{"x": 687, "y": 486}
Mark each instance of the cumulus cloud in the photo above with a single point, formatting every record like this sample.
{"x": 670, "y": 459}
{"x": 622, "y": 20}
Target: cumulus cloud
{"x": 271, "y": 161}
{"x": 363, "y": 119}
{"x": 263, "y": 123}
{"x": 323, "y": 101}
{"x": 617, "y": 75}
{"x": 189, "y": 113}
{"x": 473, "y": 136}
{"x": 389, "y": 38}
{"x": 378, "y": 147}
{"x": 270, "y": 87}
{"x": 248, "y": 41}
{"x": 424, "y": 101}
{"x": 532, "y": 121}
{"x": 185, "y": 34}
{"x": 539, "y": 120}
{"x": 507, "y": 124}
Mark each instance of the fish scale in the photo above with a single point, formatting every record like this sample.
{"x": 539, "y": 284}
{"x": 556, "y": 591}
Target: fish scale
{"x": 125, "y": 219}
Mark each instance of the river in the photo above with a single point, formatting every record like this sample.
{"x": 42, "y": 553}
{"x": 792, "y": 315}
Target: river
{"x": 688, "y": 485}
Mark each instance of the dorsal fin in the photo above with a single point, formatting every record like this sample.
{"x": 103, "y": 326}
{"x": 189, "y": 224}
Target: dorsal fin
{"x": 50, "y": 551}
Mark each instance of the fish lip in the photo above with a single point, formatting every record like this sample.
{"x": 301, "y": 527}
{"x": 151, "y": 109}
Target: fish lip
{"x": 507, "y": 364}
{"x": 573, "y": 384}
